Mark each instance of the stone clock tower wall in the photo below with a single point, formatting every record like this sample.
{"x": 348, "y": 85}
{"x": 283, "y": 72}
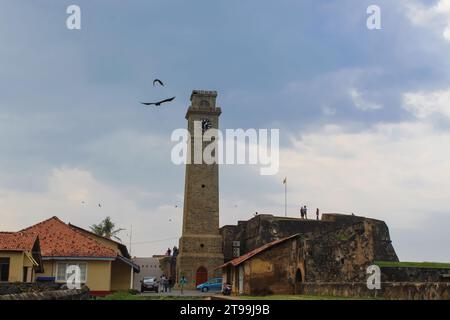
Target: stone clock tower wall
{"x": 200, "y": 243}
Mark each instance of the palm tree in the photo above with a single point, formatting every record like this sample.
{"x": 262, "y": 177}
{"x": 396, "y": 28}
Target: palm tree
{"x": 106, "y": 229}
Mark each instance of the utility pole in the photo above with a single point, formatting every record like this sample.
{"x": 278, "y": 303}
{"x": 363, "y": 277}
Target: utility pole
{"x": 131, "y": 258}
{"x": 131, "y": 235}
{"x": 285, "y": 196}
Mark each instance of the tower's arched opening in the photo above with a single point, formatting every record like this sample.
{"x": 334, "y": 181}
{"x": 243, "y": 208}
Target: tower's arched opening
{"x": 201, "y": 276}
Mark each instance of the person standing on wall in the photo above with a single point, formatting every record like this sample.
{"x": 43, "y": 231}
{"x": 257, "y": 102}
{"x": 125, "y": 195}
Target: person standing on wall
{"x": 317, "y": 213}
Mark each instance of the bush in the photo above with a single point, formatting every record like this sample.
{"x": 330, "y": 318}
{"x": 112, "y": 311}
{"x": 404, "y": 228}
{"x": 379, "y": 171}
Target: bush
{"x": 133, "y": 292}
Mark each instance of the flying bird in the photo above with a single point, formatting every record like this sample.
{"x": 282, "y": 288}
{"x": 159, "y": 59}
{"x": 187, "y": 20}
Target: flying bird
{"x": 158, "y": 81}
{"x": 99, "y": 205}
{"x": 158, "y": 103}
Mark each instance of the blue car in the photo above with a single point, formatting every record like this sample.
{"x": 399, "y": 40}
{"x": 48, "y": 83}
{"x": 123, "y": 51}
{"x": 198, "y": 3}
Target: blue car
{"x": 214, "y": 284}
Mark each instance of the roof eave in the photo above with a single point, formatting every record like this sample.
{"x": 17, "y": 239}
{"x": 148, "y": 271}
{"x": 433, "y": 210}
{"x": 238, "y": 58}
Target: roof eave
{"x": 47, "y": 258}
{"x": 135, "y": 267}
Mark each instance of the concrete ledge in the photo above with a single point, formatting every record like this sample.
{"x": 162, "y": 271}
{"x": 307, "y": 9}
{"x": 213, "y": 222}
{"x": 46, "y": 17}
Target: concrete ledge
{"x": 413, "y": 274}
{"x": 27, "y": 287}
{"x": 81, "y": 294}
{"x": 389, "y": 290}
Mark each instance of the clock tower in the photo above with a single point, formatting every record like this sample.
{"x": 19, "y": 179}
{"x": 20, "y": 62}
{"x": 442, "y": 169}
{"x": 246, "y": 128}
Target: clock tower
{"x": 200, "y": 243}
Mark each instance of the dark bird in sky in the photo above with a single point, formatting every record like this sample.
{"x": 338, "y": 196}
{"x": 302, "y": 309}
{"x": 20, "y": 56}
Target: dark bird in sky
{"x": 158, "y": 81}
{"x": 158, "y": 103}
{"x": 99, "y": 205}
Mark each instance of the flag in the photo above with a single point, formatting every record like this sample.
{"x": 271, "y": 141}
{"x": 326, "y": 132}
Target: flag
{"x": 285, "y": 180}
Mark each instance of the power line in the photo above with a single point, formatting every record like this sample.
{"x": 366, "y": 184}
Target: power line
{"x": 153, "y": 241}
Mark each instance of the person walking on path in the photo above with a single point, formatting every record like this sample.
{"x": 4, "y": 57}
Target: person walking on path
{"x": 317, "y": 213}
{"x": 165, "y": 284}
{"x": 301, "y": 212}
{"x": 183, "y": 281}
{"x": 160, "y": 284}
{"x": 305, "y": 212}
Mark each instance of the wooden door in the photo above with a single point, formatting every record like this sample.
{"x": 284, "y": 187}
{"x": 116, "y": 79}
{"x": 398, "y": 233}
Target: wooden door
{"x": 201, "y": 276}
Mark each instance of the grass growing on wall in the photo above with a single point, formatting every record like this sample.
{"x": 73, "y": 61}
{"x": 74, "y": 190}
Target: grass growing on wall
{"x": 413, "y": 264}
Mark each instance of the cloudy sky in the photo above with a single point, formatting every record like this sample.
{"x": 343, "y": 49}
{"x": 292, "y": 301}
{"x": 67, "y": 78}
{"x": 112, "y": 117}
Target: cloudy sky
{"x": 364, "y": 116}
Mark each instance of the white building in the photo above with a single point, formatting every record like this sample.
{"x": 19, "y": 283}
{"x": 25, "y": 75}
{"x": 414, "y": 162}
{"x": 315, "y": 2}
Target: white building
{"x": 149, "y": 268}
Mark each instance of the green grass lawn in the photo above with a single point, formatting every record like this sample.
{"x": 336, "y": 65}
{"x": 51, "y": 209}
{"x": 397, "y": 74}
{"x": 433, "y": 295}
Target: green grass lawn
{"x": 129, "y": 296}
{"x": 299, "y": 297}
{"x": 413, "y": 264}
{"x": 123, "y": 295}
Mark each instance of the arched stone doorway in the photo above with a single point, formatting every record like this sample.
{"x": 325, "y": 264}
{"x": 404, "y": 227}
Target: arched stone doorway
{"x": 201, "y": 276}
{"x": 298, "y": 276}
{"x": 298, "y": 281}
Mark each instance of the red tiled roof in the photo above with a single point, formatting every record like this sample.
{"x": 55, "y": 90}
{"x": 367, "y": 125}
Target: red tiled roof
{"x": 58, "y": 239}
{"x": 248, "y": 255}
{"x": 123, "y": 248}
{"x": 17, "y": 241}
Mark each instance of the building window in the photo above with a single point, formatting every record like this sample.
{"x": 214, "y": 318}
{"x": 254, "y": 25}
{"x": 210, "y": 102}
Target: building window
{"x": 61, "y": 271}
{"x": 204, "y": 104}
{"x": 4, "y": 269}
{"x": 236, "y": 249}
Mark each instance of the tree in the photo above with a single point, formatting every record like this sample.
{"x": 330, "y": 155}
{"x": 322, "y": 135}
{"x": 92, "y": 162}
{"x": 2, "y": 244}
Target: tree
{"x": 106, "y": 229}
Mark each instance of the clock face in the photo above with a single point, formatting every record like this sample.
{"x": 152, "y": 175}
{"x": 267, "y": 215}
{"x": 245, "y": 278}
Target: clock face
{"x": 206, "y": 124}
